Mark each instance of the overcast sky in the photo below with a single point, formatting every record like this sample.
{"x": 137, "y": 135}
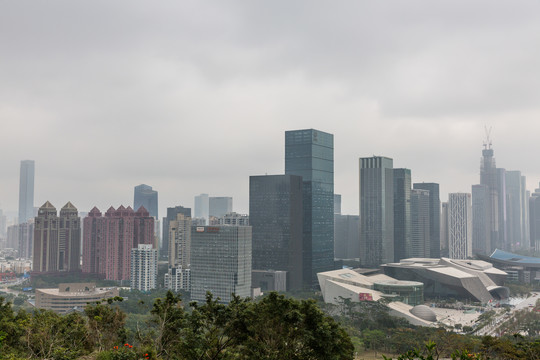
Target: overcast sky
{"x": 194, "y": 96}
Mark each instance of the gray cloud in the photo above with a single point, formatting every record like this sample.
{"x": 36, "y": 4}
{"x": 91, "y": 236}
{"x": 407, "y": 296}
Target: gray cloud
{"x": 194, "y": 97}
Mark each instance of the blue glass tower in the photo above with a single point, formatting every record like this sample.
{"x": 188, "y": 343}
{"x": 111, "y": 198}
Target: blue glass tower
{"x": 310, "y": 154}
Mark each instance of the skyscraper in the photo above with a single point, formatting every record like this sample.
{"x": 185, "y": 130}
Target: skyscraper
{"x": 108, "y": 240}
{"x": 171, "y": 215}
{"x": 145, "y": 196}
{"x": 310, "y": 154}
{"x": 26, "y": 191}
{"x": 420, "y": 221}
{"x": 402, "y": 213}
{"x": 516, "y": 211}
{"x": 180, "y": 241}
{"x": 56, "y": 239}
{"x": 434, "y": 217}
{"x": 346, "y": 235}
{"x": 144, "y": 267}
{"x": 220, "y": 205}
{"x": 376, "y": 211}
{"x": 480, "y": 215}
{"x": 276, "y": 217}
{"x": 201, "y": 208}
{"x": 459, "y": 226}
{"x": 534, "y": 218}
{"x": 220, "y": 261}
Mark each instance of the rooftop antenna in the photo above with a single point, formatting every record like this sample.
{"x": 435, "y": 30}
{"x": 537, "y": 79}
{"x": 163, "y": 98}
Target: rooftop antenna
{"x": 487, "y": 142}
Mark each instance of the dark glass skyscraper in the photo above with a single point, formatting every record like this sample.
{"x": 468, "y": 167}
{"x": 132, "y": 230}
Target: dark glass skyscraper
{"x": 376, "y": 211}
{"x": 434, "y": 217}
{"x": 402, "y": 213}
{"x": 275, "y": 215}
{"x": 310, "y": 153}
{"x": 145, "y": 196}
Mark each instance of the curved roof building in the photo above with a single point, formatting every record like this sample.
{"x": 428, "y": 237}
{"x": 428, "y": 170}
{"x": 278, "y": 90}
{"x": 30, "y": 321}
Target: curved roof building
{"x": 469, "y": 279}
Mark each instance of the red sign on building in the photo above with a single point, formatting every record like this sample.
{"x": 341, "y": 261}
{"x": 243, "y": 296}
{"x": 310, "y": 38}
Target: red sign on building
{"x": 365, "y": 297}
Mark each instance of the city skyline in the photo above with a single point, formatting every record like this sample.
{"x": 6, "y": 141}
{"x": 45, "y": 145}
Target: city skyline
{"x": 425, "y": 88}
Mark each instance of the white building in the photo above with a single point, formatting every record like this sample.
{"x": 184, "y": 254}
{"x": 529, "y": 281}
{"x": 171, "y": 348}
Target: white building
{"x": 144, "y": 267}
{"x": 459, "y": 226}
{"x": 178, "y": 279}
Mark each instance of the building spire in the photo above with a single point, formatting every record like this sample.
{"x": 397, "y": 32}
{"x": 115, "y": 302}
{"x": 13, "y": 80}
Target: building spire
{"x": 487, "y": 142}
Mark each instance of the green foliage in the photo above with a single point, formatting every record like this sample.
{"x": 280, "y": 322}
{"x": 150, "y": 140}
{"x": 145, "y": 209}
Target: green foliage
{"x": 105, "y": 324}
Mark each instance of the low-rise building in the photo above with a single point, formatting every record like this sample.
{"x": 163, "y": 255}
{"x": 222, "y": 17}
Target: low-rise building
{"x": 72, "y": 296}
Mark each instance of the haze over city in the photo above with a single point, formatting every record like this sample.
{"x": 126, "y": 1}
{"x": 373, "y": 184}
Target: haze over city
{"x": 194, "y": 97}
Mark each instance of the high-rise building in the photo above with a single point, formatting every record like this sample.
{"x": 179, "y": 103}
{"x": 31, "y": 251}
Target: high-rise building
{"x": 276, "y": 216}
{"x": 517, "y": 210}
{"x": 337, "y": 204}
{"x": 144, "y": 267}
{"x": 310, "y": 154}
{"x": 489, "y": 178}
{"x": 402, "y": 213}
{"x": 180, "y": 241}
{"x": 3, "y": 225}
{"x": 444, "y": 229}
{"x": 220, "y": 262}
{"x": 503, "y": 242}
{"x": 534, "y": 219}
{"x": 56, "y": 239}
{"x": 108, "y": 240}
{"x": 346, "y": 236}
{"x": 201, "y": 208}
{"x": 420, "y": 221}
{"x": 26, "y": 191}
{"x": 459, "y": 226}
{"x": 434, "y": 217}
{"x": 219, "y": 205}
{"x": 480, "y": 215}
{"x": 145, "y": 196}
{"x": 376, "y": 211}
{"x": 171, "y": 215}
{"x": 25, "y": 232}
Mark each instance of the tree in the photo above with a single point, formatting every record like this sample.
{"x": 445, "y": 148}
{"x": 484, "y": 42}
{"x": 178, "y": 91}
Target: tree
{"x": 106, "y": 323}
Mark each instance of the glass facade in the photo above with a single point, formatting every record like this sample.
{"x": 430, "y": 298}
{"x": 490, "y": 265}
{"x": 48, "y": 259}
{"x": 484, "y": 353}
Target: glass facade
{"x": 310, "y": 154}
{"x": 275, "y": 210}
{"x": 376, "y": 211}
{"x": 434, "y": 217}
{"x": 220, "y": 261}
{"x": 402, "y": 213}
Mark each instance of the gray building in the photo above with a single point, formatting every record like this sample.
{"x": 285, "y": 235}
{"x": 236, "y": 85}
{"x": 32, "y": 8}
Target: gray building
{"x": 517, "y": 213}
{"x": 420, "y": 221}
{"x": 26, "y": 191}
{"x": 402, "y": 213}
{"x": 434, "y": 217}
{"x": 145, "y": 196}
{"x": 489, "y": 178}
{"x": 376, "y": 211}
{"x": 444, "y": 229}
{"x": 201, "y": 207}
{"x": 459, "y": 226}
{"x": 480, "y": 215}
{"x": 534, "y": 219}
{"x": 276, "y": 216}
{"x": 171, "y": 215}
{"x": 310, "y": 154}
{"x": 220, "y": 262}
{"x": 218, "y": 206}
{"x": 346, "y": 236}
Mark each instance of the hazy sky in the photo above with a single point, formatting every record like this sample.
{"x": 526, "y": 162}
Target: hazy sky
{"x": 195, "y": 96}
